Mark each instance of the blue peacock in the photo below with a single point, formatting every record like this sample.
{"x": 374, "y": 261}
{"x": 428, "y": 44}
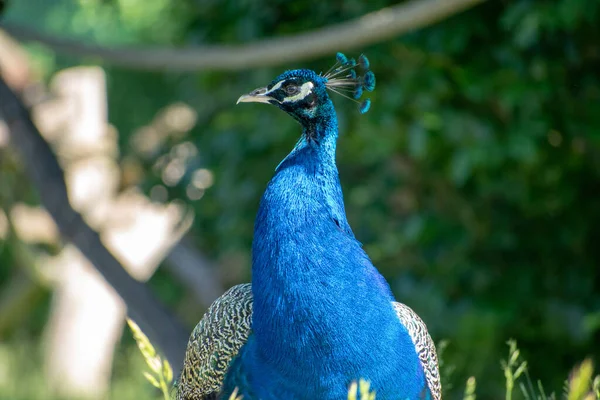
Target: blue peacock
{"x": 318, "y": 315}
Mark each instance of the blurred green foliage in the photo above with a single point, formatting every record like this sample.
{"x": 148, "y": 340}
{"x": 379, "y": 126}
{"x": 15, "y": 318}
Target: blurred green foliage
{"x": 22, "y": 378}
{"x": 472, "y": 182}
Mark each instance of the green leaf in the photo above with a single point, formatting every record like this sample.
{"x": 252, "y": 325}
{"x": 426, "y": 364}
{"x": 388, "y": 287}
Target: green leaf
{"x": 151, "y": 379}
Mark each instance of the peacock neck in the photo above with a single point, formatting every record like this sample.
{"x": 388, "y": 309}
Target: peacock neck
{"x": 310, "y": 168}
{"x": 309, "y": 272}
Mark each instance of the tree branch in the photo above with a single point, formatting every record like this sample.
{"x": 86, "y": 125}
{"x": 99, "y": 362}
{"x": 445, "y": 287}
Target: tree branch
{"x": 368, "y": 29}
{"x": 48, "y": 177}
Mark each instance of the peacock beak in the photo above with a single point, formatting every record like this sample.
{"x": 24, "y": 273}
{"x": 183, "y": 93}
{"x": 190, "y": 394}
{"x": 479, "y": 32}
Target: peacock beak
{"x": 256, "y": 96}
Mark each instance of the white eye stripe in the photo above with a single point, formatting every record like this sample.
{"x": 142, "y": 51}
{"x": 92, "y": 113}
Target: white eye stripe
{"x": 305, "y": 90}
{"x": 275, "y": 87}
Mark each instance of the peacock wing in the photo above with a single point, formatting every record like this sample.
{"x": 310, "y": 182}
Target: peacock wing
{"x": 214, "y": 342}
{"x": 424, "y": 346}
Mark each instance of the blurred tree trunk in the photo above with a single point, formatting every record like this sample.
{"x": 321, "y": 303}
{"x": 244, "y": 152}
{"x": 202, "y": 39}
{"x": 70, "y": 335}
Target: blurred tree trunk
{"x": 87, "y": 315}
{"x": 48, "y": 177}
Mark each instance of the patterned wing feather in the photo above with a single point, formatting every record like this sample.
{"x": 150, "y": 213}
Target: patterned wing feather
{"x": 424, "y": 346}
{"x": 214, "y": 343}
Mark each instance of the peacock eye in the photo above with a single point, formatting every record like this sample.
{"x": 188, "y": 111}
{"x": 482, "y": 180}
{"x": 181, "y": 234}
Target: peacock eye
{"x": 291, "y": 89}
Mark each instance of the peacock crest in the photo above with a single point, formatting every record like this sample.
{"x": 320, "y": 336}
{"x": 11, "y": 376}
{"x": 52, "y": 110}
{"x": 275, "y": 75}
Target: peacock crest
{"x": 344, "y": 79}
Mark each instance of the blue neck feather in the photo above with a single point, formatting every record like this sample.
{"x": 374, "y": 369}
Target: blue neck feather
{"x": 322, "y": 312}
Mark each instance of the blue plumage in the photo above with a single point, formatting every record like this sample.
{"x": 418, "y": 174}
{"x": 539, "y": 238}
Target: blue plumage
{"x": 341, "y": 58}
{"x": 364, "y": 106}
{"x": 363, "y": 61}
{"x": 369, "y": 81}
{"x": 323, "y": 316}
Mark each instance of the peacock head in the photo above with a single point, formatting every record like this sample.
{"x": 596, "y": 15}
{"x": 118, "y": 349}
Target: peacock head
{"x": 303, "y": 93}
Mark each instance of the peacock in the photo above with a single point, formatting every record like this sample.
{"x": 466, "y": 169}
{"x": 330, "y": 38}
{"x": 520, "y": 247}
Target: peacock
{"x": 317, "y": 315}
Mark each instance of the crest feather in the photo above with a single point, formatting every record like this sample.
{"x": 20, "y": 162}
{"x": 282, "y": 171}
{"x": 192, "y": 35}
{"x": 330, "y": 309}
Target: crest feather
{"x": 343, "y": 79}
